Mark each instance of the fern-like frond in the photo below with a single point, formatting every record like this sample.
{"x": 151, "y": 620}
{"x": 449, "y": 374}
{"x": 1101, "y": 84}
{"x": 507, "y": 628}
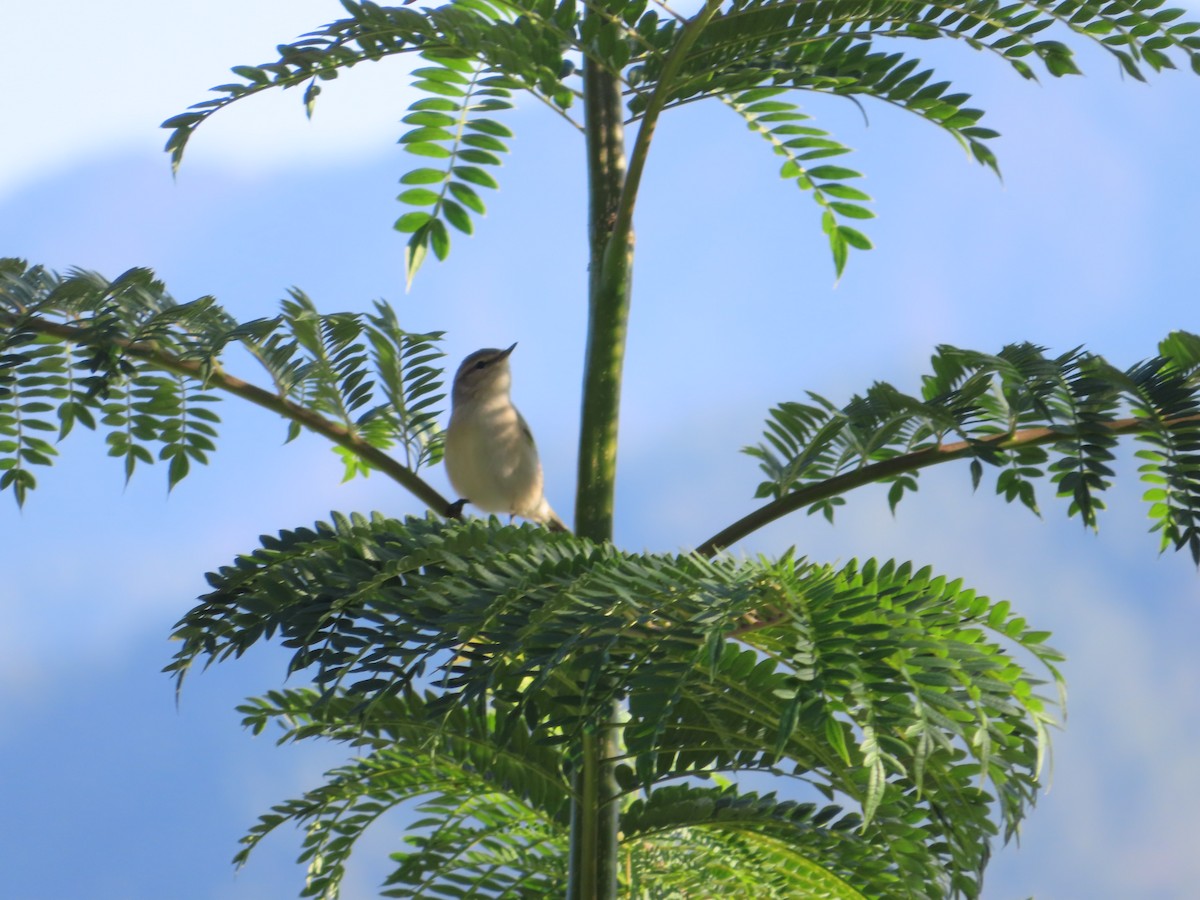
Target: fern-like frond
{"x": 882, "y": 684}
{"x": 489, "y": 801}
{"x": 477, "y": 53}
{"x": 34, "y": 379}
{"x": 1026, "y": 413}
{"x": 451, "y": 125}
{"x": 124, "y": 357}
{"x": 739, "y": 51}
{"x": 688, "y": 840}
{"x": 372, "y": 32}
{"x": 803, "y": 146}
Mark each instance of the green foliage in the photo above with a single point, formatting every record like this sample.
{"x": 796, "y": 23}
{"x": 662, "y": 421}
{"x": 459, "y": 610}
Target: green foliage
{"x": 1020, "y": 411}
{"x": 448, "y": 127}
{"x": 777, "y": 121}
{"x": 48, "y": 385}
{"x": 22, "y": 400}
{"x": 889, "y": 687}
{"x": 123, "y": 356}
{"x": 692, "y": 838}
{"x": 477, "y": 667}
{"x": 477, "y": 783}
{"x": 406, "y": 365}
{"x": 470, "y": 659}
{"x": 729, "y": 51}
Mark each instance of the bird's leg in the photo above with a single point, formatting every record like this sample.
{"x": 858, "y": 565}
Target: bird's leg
{"x": 454, "y": 510}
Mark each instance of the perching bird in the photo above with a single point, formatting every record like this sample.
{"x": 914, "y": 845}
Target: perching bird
{"x": 490, "y": 455}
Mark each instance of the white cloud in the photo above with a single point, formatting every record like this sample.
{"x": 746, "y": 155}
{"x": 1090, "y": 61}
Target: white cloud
{"x": 91, "y": 82}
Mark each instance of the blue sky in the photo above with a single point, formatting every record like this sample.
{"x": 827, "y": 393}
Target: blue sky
{"x": 113, "y": 793}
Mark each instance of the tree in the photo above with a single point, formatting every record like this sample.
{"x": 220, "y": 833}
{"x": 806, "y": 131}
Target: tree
{"x": 627, "y": 671}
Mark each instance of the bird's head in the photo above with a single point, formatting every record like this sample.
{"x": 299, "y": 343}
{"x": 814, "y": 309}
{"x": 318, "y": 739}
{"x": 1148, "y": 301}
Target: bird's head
{"x": 482, "y": 373}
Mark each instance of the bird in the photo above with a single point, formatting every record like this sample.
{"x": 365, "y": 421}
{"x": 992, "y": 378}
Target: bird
{"x": 489, "y": 453}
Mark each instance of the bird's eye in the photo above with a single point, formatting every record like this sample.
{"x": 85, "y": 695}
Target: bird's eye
{"x": 482, "y": 364}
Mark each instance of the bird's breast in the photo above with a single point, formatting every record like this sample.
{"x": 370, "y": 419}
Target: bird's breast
{"x": 490, "y": 459}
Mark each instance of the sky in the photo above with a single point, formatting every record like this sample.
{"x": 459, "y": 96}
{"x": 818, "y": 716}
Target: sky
{"x": 113, "y": 792}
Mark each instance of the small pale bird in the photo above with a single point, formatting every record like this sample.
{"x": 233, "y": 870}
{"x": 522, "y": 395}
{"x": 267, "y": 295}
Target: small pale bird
{"x": 490, "y": 455}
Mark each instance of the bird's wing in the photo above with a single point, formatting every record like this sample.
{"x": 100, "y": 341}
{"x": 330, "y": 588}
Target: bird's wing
{"x": 525, "y": 429}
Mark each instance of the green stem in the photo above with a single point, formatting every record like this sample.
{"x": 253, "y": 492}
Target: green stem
{"x": 594, "y": 851}
{"x": 595, "y": 817}
{"x": 610, "y": 267}
{"x": 623, "y": 219}
{"x": 155, "y": 356}
{"x": 613, "y": 196}
{"x": 612, "y": 192}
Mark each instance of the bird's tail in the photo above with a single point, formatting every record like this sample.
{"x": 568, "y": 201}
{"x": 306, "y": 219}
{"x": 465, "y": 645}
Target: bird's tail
{"x": 548, "y": 517}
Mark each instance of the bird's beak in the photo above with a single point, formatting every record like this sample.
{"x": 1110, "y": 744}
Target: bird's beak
{"x": 505, "y": 354}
